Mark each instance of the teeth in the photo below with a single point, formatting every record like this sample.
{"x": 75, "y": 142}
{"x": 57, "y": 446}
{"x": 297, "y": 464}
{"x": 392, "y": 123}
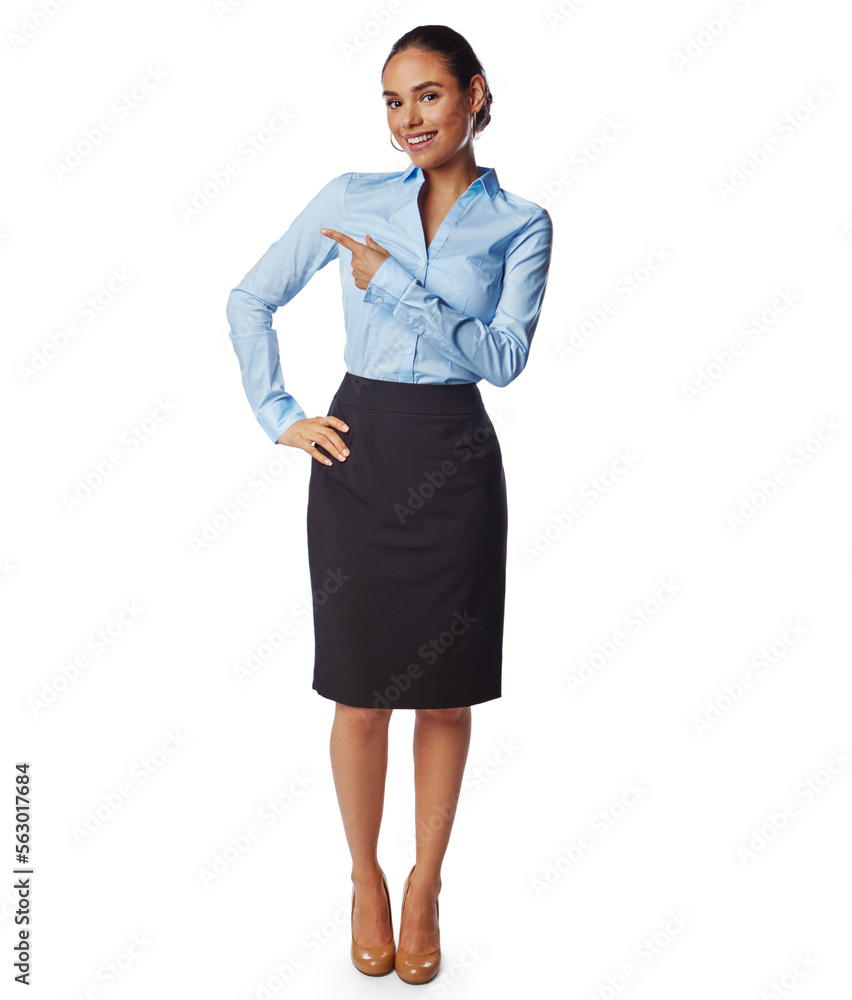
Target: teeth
{"x": 422, "y": 138}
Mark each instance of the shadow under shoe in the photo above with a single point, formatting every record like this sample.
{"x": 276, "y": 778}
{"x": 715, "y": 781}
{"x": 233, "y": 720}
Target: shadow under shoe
{"x": 377, "y": 960}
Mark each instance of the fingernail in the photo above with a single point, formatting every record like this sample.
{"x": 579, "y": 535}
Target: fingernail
{"x": 346, "y": 427}
{"x": 328, "y": 461}
{"x": 345, "y": 451}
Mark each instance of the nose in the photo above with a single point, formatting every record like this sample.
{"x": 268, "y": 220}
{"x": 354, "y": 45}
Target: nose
{"x": 410, "y": 117}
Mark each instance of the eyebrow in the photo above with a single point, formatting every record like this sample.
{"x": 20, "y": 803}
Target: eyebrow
{"x": 416, "y": 87}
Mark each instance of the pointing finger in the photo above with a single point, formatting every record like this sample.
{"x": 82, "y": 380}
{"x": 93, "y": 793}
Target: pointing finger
{"x": 341, "y": 238}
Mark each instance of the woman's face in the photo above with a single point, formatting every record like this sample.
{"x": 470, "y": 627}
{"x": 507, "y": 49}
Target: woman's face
{"x": 438, "y": 110}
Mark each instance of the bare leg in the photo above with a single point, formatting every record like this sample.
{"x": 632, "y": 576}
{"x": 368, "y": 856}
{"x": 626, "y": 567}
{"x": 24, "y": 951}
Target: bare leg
{"x": 359, "y": 762}
{"x": 441, "y": 742}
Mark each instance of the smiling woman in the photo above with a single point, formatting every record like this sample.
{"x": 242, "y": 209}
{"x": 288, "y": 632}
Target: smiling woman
{"x": 443, "y": 275}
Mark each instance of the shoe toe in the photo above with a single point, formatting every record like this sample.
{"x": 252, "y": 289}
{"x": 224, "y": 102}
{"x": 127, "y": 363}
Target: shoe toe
{"x": 374, "y": 961}
{"x": 417, "y": 968}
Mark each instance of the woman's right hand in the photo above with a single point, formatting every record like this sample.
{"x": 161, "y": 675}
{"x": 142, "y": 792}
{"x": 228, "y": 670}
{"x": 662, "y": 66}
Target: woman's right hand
{"x": 306, "y": 433}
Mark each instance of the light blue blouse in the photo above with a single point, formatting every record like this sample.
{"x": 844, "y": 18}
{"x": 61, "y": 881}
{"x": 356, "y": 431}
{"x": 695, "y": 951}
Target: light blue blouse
{"x": 462, "y": 309}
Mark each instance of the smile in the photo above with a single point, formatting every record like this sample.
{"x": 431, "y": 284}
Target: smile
{"x": 421, "y": 140}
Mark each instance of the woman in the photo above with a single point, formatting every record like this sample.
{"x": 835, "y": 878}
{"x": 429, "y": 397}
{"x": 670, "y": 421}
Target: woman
{"x": 443, "y": 276}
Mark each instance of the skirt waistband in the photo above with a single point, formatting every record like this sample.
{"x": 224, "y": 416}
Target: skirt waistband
{"x": 409, "y": 397}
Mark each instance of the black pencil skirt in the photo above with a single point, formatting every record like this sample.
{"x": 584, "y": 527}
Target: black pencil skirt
{"x": 407, "y": 549}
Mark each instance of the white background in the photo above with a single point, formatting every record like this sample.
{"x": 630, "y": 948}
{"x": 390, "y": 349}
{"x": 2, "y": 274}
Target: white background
{"x": 540, "y": 892}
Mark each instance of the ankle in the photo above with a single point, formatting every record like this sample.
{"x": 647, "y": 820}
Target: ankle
{"x": 426, "y": 883}
{"x": 368, "y": 876}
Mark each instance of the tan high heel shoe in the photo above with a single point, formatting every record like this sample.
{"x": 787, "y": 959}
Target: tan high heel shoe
{"x": 416, "y": 968}
{"x": 377, "y": 959}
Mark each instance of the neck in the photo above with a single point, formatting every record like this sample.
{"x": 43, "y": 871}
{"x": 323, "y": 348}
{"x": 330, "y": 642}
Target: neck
{"x": 453, "y": 176}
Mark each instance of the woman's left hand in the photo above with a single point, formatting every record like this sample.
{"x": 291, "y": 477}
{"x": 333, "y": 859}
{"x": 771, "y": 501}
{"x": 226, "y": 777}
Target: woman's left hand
{"x": 366, "y": 257}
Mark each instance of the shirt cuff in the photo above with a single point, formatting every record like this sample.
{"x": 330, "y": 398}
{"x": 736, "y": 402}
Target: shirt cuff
{"x": 275, "y": 420}
{"x": 388, "y": 284}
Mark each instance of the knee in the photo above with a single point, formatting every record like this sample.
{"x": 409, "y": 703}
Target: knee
{"x": 444, "y": 716}
{"x": 366, "y": 720}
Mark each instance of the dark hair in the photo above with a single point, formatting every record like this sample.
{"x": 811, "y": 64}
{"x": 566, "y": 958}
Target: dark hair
{"x": 456, "y": 52}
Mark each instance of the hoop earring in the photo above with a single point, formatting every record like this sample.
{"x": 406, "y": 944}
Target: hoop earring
{"x": 398, "y": 148}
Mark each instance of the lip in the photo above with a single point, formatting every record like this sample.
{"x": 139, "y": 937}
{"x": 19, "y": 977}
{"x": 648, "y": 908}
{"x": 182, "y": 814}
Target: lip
{"x": 420, "y": 145}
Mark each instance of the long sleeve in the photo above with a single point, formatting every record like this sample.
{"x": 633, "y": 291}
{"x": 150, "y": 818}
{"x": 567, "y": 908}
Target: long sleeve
{"x": 281, "y": 272}
{"x": 496, "y": 351}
